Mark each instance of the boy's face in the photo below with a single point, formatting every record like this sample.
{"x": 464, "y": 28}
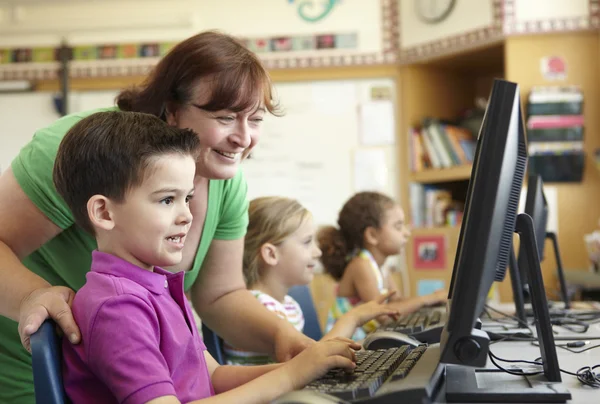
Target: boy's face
{"x": 151, "y": 224}
{"x": 298, "y": 255}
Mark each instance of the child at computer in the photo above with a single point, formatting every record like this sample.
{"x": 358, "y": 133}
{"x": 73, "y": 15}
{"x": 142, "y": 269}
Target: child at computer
{"x": 280, "y": 251}
{"x": 128, "y": 178}
{"x": 372, "y": 228}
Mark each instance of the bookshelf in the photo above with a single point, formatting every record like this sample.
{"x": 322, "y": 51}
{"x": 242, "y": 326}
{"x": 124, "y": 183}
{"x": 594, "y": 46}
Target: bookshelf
{"x": 442, "y": 175}
{"x": 441, "y": 88}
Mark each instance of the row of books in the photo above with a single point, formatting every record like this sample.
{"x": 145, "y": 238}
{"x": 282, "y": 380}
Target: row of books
{"x": 555, "y": 130}
{"x": 433, "y": 207}
{"x": 439, "y": 145}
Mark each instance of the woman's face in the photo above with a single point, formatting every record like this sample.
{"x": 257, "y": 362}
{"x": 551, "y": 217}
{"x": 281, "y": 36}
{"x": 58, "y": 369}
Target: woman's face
{"x": 226, "y": 137}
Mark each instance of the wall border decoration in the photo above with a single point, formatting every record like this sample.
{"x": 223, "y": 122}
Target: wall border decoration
{"x": 504, "y": 23}
{"x": 512, "y": 26}
{"x": 98, "y": 67}
{"x": 390, "y": 43}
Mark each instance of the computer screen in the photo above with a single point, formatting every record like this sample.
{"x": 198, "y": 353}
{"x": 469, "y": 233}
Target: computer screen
{"x": 486, "y": 233}
{"x": 537, "y": 208}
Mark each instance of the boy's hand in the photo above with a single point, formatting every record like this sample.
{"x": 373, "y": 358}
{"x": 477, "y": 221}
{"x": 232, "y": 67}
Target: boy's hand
{"x": 317, "y": 359}
{"x": 376, "y": 308}
{"x": 289, "y": 342}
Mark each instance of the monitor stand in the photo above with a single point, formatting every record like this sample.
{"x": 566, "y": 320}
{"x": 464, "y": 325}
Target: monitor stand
{"x": 559, "y": 269}
{"x": 554, "y": 311}
{"x": 468, "y": 385}
{"x": 517, "y": 288}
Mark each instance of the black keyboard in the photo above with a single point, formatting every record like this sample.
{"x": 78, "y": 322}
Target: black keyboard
{"x": 374, "y": 368}
{"x": 416, "y": 322}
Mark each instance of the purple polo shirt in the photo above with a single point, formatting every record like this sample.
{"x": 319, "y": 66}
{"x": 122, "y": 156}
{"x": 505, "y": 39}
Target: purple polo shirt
{"x": 139, "y": 338}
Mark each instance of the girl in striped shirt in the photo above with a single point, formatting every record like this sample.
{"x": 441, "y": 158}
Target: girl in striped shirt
{"x": 280, "y": 252}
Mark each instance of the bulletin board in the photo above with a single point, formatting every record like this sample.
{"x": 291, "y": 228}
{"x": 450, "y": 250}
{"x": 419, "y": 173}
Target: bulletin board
{"x": 336, "y": 137}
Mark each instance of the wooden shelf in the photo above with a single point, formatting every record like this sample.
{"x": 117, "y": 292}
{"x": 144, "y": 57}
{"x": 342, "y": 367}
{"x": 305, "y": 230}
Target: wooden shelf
{"x": 442, "y": 175}
{"x": 422, "y": 231}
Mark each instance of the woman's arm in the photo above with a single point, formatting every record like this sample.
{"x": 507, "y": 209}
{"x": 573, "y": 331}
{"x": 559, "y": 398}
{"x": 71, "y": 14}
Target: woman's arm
{"x": 24, "y": 296}
{"x": 222, "y": 301}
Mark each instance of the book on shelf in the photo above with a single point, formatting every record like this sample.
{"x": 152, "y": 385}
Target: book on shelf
{"x": 439, "y": 145}
{"x": 555, "y": 133}
{"x": 433, "y": 207}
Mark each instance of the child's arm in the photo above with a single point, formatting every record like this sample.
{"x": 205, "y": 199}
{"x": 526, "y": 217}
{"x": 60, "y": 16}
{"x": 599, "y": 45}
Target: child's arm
{"x": 310, "y": 364}
{"x": 365, "y": 283}
{"x": 346, "y": 325}
{"x": 225, "y": 377}
{"x": 392, "y": 287}
{"x": 363, "y": 279}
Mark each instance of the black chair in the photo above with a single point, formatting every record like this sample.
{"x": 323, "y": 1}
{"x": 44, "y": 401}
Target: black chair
{"x": 302, "y": 295}
{"x": 46, "y": 358}
{"x": 214, "y": 344}
{"x": 312, "y": 328}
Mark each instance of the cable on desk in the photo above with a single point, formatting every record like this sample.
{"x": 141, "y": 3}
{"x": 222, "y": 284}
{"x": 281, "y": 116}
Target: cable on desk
{"x": 518, "y": 321}
{"x": 585, "y": 375}
{"x": 570, "y": 345}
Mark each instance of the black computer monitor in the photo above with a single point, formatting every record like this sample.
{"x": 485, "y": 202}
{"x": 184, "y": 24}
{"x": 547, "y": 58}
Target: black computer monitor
{"x": 484, "y": 248}
{"x": 488, "y": 223}
{"x": 536, "y": 206}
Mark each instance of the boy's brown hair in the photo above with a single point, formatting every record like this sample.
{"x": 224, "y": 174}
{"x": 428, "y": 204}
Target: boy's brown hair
{"x": 108, "y": 153}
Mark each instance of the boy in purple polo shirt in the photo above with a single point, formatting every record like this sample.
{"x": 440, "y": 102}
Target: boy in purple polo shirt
{"x": 128, "y": 177}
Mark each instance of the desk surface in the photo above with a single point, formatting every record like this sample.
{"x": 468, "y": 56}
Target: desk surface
{"x": 567, "y": 360}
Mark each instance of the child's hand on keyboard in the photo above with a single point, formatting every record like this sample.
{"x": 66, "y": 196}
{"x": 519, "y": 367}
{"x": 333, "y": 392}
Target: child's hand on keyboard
{"x": 319, "y": 358}
{"x": 440, "y": 296}
{"x": 376, "y": 308}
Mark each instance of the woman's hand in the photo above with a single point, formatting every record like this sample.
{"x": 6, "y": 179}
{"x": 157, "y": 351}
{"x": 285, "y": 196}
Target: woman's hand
{"x": 54, "y": 302}
{"x": 289, "y": 342}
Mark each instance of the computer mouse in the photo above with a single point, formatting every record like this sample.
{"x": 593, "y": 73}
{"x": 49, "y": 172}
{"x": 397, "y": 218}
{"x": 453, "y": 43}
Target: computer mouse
{"x": 308, "y": 397}
{"x": 388, "y": 339}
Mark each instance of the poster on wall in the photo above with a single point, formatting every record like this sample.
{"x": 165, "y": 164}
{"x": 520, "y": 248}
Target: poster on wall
{"x": 429, "y": 252}
{"x": 553, "y": 68}
{"x": 429, "y": 286}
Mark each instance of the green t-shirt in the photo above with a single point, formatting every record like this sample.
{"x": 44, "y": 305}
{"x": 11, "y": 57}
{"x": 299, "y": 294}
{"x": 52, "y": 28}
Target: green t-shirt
{"x": 66, "y": 258}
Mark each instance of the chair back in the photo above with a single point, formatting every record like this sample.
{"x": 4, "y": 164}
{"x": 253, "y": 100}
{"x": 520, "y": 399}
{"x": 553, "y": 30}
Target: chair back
{"x": 214, "y": 344}
{"x": 312, "y": 328}
{"x": 46, "y": 358}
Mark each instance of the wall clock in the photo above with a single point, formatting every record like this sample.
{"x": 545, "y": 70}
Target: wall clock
{"x": 434, "y": 11}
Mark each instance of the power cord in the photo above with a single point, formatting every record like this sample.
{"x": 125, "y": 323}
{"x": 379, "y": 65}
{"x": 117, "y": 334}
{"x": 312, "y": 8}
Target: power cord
{"x": 585, "y": 375}
{"x": 518, "y": 320}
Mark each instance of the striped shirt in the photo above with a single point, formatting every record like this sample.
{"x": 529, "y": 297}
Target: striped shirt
{"x": 288, "y": 310}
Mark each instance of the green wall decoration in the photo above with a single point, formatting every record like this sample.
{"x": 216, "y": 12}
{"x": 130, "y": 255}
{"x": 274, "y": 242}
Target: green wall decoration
{"x": 315, "y": 10}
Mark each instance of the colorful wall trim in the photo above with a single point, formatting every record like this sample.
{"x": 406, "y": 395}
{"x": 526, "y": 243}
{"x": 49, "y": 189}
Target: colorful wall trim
{"x": 284, "y": 52}
{"x": 512, "y": 26}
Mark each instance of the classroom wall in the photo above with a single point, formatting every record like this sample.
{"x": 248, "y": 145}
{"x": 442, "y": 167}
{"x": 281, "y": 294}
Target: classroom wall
{"x": 122, "y": 21}
{"x": 467, "y": 16}
{"x": 579, "y": 209}
{"x": 82, "y": 22}
{"x": 535, "y": 16}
